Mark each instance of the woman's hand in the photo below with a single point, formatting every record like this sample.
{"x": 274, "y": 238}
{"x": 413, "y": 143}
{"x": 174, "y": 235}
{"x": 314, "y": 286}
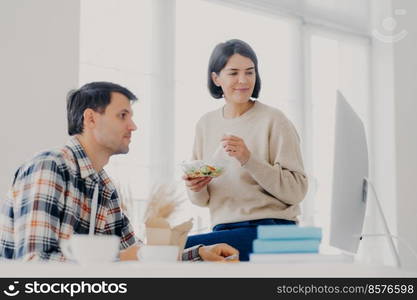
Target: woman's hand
{"x": 196, "y": 184}
{"x": 236, "y": 147}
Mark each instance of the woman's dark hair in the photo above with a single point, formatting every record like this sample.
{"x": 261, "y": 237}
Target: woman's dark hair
{"x": 219, "y": 58}
{"x": 94, "y": 95}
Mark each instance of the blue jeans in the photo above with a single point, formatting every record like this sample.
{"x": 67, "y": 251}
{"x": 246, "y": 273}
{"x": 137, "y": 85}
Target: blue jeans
{"x": 239, "y": 235}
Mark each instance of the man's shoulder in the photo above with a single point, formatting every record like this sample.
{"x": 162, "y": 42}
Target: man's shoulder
{"x": 61, "y": 155}
{"x": 57, "y": 159}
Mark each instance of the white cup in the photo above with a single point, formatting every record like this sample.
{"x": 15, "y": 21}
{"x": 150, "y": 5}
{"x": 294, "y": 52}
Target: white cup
{"x": 158, "y": 253}
{"x": 87, "y": 249}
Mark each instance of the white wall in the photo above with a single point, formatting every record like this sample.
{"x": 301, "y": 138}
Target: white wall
{"x": 39, "y": 63}
{"x": 382, "y": 135}
{"x": 393, "y": 141}
{"x": 405, "y": 95}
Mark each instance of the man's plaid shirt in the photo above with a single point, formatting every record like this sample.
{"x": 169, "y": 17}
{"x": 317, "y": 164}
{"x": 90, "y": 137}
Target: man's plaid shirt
{"x": 50, "y": 199}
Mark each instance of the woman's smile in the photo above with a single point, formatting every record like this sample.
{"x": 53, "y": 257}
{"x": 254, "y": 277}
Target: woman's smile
{"x": 242, "y": 90}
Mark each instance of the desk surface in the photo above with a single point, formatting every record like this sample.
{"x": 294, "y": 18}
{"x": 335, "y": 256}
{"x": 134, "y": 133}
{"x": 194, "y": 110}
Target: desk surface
{"x": 199, "y": 269}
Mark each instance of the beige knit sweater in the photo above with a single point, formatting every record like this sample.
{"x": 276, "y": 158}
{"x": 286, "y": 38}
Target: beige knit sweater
{"x": 270, "y": 185}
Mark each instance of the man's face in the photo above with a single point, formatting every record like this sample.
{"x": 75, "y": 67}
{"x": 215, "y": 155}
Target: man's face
{"x": 114, "y": 127}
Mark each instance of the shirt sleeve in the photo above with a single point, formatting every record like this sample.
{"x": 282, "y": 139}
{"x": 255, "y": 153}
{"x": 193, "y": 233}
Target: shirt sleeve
{"x": 284, "y": 178}
{"x": 128, "y": 237}
{"x": 191, "y": 254}
{"x": 7, "y": 229}
{"x": 38, "y": 200}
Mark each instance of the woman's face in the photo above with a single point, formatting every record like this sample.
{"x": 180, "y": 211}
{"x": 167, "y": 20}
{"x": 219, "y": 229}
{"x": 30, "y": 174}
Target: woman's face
{"x": 237, "y": 79}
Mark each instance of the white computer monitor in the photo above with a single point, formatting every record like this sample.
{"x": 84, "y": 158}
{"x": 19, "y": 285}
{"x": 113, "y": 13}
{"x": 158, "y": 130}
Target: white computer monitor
{"x": 350, "y": 168}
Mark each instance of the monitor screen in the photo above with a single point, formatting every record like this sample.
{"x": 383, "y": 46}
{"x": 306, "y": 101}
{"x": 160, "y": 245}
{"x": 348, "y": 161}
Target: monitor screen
{"x": 349, "y": 170}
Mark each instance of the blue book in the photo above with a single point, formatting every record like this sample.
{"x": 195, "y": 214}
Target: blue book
{"x": 286, "y": 246}
{"x": 289, "y": 232}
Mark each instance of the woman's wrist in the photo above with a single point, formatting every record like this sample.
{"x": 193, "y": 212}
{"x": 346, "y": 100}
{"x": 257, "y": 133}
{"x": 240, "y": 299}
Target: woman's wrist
{"x": 245, "y": 159}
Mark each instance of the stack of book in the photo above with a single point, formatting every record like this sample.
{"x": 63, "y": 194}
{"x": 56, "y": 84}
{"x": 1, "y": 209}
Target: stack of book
{"x": 274, "y": 240}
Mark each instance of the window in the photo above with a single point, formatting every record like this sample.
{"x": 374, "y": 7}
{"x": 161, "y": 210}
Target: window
{"x": 114, "y": 51}
{"x": 345, "y": 68}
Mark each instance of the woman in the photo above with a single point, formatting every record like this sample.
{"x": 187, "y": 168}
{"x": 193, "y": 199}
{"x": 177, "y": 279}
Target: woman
{"x": 264, "y": 181}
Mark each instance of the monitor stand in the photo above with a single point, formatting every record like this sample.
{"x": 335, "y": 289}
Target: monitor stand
{"x": 366, "y": 184}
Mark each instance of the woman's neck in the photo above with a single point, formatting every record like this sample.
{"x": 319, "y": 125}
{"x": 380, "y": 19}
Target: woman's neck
{"x": 234, "y": 110}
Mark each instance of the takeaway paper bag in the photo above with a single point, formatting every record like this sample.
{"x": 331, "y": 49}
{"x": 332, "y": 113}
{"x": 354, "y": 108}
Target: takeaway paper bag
{"x": 159, "y": 232}
{"x": 179, "y": 234}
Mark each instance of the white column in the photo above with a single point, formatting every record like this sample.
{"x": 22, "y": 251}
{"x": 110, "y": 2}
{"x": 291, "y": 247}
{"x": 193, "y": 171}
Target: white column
{"x": 162, "y": 96}
{"x": 297, "y": 71}
{"x": 39, "y": 59}
{"x": 381, "y": 138}
{"x": 308, "y": 205}
{"x": 405, "y": 110}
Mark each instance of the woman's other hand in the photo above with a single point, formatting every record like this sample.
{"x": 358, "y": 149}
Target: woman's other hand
{"x": 236, "y": 147}
{"x": 196, "y": 184}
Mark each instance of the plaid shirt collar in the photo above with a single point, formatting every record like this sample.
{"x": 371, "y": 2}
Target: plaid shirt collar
{"x": 84, "y": 166}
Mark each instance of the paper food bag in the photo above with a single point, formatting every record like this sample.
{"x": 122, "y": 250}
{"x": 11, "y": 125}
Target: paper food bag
{"x": 159, "y": 232}
{"x": 163, "y": 202}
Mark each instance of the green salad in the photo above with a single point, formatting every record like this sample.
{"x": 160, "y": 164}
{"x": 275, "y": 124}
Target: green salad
{"x": 204, "y": 171}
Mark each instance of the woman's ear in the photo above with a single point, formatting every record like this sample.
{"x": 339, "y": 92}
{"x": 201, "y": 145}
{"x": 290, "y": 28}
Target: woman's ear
{"x": 215, "y": 78}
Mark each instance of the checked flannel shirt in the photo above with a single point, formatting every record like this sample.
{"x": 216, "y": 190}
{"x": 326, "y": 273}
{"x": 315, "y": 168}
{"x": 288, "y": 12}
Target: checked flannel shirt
{"x": 50, "y": 199}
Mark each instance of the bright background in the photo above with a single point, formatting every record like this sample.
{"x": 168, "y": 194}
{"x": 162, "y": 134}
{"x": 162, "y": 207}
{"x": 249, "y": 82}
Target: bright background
{"x": 159, "y": 49}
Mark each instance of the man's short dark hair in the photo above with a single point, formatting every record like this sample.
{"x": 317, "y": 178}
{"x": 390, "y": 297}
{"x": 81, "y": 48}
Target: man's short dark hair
{"x": 94, "y": 95}
{"x": 219, "y": 58}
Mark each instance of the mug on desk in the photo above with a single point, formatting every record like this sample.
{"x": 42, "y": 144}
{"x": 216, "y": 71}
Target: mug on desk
{"x": 85, "y": 249}
{"x": 158, "y": 253}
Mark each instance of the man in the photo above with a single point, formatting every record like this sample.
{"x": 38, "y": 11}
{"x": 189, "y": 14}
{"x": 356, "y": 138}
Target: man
{"x": 66, "y": 191}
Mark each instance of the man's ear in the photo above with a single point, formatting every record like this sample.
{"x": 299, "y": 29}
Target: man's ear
{"x": 215, "y": 78}
{"x": 89, "y": 118}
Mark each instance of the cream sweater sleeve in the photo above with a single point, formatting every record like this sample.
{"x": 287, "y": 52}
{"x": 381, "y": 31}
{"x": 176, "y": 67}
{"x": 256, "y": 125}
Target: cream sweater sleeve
{"x": 202, "y": 197}
{"x": 285, "y": 178}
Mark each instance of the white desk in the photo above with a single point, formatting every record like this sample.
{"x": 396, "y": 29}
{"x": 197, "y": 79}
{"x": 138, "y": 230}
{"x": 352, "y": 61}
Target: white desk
{"x": 199, "y": 269}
